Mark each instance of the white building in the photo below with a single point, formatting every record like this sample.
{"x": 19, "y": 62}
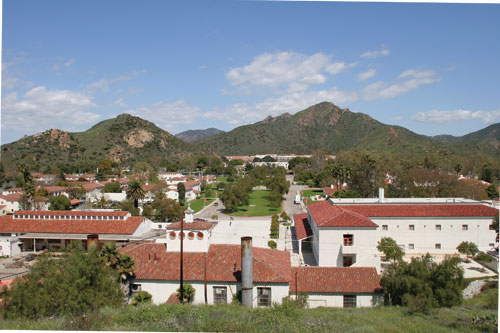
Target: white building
{"x": 169, "y": 175}
{"x": 347, "y": 234}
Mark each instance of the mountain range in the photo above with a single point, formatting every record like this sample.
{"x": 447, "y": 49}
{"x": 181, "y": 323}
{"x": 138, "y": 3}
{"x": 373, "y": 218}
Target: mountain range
{"x": 127, "y": 139}
{"x": 193, "y": 135}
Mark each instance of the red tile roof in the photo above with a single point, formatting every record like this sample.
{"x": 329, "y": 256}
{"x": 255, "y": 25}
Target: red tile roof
{"x": 302, "y": 227}
{"x": 327, "y": 215}
{"x": 335, "y": 280}
{"x": 436, "y": 210}
{"x": 195, "y": 225}
{"x": 71, "y": 212}
{"x": 52, "y": 189}
{"x": 126, "y": 227}
{"x": 153, "y": 262}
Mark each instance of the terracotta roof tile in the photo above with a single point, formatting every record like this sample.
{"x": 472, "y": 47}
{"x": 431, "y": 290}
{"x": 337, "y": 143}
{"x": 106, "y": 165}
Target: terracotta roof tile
{"x": 195, "y": 225}
{"x": 127, "y": 227}
{"x": 335, "y": 280}
{"x": 302, "y": 227}
{"x": 417, "y": 210}
{"x": 153, "y": 262}
{"x": 327, "y": 215}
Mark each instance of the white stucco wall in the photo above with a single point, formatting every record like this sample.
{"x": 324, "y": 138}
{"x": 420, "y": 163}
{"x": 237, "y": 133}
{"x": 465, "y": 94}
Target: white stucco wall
{"x": 9, "y": 246}
{"x": 145, "y": 226}
{"x": 337, "y": 300}
{"x": 115, "y": 196}
{"x": 161, "y": 290}
{"x": 424, "y": 237}
{"x": 190, "y": 245}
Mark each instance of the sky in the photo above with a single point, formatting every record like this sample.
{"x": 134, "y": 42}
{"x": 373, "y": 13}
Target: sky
{"x": 432, "y": 68}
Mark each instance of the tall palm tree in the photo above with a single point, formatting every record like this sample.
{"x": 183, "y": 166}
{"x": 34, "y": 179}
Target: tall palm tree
{"x": 135, "y": 192}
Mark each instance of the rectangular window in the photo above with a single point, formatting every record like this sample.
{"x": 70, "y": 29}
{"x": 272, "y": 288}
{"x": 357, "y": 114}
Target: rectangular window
{"x": 411, "y": 246}
{"x": 411, "y": 227}
{"x": 438, "y": 246}
{"x": 385, "y": 227}
{"x": 220, "y": 295}
{"x": 492, "y": 245}
{"x": 438, "y": 226}
{"x": 348, "y": 261}
{"x": 491, "y": 227}
{"x": 349, "y": 301}
{"x": 263, "y": 296}
{"x": 465, "y": 227}
{"x": 348, "y": 240}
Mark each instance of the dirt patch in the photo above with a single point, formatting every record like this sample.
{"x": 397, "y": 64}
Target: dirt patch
{"x": 137, "y": 138}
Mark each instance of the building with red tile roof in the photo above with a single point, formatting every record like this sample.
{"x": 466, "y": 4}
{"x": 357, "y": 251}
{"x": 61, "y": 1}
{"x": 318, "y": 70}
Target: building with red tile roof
{"x": 46, "y": 229}
{"x": 337, "y": 286}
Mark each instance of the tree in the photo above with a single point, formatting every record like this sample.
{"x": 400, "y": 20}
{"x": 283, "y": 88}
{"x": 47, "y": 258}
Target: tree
{"x": 2, "y": 175}
{"x": 167, "y": 210}
{"x": 28, "y": 186}
{"x": 483, "y": 258}
{"x": 122, "y": 264}
{"x": 135, "y": 192}
{"x": 59, "y": 202}
{"x": 390, "y": 249}
{"x": 189, "y": 293}
{"x": 423, "y": 284}
{"x": 272, "y": 244}
{"x": 495, "y": 226}
{"x": 181, "y": 189}
{"x": 275, "y": 226}
{"x": 73, "y": 284}
{"x": 142, "y": 297}
{"x": 76, "y": 191}
{"x": 458, "y": 168}
{"x": 106, "y": 166}
{"x": 467, "y": 248}
{"x": 129, "y": 206}
{"x": 112, "y": 187}
{"x": 492, "y": 191}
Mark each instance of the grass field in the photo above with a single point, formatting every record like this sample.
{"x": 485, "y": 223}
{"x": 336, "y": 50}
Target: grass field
{"x": 473, "y": 316}
{"x": 197, "y": 204}
{"x": 308, "y": 193}
{"x": 258, "y": 205}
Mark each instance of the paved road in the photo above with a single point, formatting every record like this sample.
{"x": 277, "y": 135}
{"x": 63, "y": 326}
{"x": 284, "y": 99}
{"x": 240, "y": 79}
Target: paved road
{"x": 212, "y": 209}
{"x": 288, "y": 204}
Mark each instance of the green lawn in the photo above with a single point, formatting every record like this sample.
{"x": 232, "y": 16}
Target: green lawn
{"x": 198, "y": 204}
{"x": 308, "y": 193}
{"x": 258, "y": 205}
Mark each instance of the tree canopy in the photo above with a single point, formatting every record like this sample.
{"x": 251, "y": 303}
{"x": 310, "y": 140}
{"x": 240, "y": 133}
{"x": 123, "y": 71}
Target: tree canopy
{"x": 73, "y": 284}
{"x": 390, "y": 248}
{"x": 59, "y": 202}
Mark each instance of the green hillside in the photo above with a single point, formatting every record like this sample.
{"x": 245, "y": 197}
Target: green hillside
{"x": 322, "y": 126}
{"x": 125, "y": 139}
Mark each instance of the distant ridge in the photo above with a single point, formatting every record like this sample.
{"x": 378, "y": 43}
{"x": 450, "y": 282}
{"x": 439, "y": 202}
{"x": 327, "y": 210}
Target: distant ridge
{"x": 192, "y": 135}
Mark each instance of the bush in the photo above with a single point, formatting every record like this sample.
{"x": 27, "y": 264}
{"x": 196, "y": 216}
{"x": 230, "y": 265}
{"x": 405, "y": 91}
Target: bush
{"x": 272, "y": 244}
{"x": 142, "y": 297}
{"x": 189, "y": 292}
{"x": 275, "y": 226}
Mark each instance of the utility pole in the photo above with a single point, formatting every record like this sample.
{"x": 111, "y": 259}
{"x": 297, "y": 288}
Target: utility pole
{"x": 182, "y": 250}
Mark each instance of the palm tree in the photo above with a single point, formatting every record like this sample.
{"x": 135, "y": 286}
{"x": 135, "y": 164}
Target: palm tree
{"x": 135, "y": 192}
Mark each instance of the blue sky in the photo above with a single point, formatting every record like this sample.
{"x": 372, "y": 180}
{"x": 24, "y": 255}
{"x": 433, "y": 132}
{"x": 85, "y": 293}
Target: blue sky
{"x": 433, "y": 68}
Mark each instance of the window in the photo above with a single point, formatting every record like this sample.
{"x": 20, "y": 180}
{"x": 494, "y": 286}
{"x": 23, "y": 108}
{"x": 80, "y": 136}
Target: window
{"x": 348, "y": 240}
{"x": 492, "y": 244}
{"x": 385, "y": 227}
{"x": 349, "y": 301}
{"x": 438, "y": 226}
{"x": 263, "y": 296}
{"x": 438, "y": 246}
{"x": 411, "y": 246}
{"x": 220, "y": 295}
{"x": 491, "y": 227}
{"x": 465, "y": 227}
{"x": 159, "y": 226}
{"x": 348, "y": 261}
{"x": 411, "y": 227}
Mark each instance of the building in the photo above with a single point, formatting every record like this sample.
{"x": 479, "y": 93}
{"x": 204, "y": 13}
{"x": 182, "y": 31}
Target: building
{"x": 345, "y": 232}
{"x": 38, "y": 230}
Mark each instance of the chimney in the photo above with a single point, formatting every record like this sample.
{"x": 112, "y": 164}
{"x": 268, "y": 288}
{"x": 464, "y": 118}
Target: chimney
{"x": 189, "y": 214}
{"x": 246, "y": 272}
{"x": 381, "y": 194}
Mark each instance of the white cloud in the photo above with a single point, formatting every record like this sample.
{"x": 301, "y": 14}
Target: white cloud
{"x": 366, "y": 75}
{"x": 64, "y": 64}
{"x": 376, "y": 53}
{"x": 168, "y": 115}
{"x": 282, "y": 69}
{"x": 118, "y": 103}
{"x": 104, "y": 83}
{"x": 408, "y": 80}
{"x": 442, "y": 117}
{"x": 10, "y": 81}
{"x": 291, "y": 102}
{"x": 40, "y": 109}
